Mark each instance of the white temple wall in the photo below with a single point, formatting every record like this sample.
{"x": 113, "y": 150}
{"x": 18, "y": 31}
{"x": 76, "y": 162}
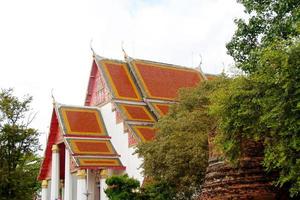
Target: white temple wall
{"x": 133, "y": 165}
{"x": 119, "y": 140}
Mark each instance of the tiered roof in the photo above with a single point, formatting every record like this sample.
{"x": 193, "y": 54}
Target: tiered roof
{"x": 82, "y": 129}
{"x": 144, "y": 90}
{"x": 85, "y": 133}
{"x": 141, "y": 92}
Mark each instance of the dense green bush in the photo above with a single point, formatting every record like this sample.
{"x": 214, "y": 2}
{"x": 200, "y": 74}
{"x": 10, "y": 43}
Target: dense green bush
{"x": 126, "y": 188}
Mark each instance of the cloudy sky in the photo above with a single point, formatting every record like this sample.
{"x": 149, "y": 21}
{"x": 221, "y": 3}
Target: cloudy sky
{"x": 45, "y": 44}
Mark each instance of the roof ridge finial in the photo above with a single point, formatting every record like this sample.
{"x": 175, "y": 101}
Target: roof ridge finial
{"x": 124, "y": 52}
{"x": 53, "y": 98}
{"x": 91, "y": 47}
{"x": 200, "y": 69}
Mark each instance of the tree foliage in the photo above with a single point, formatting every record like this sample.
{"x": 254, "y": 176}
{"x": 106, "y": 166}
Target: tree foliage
{"x": 262, "y": 105}
{"x": 266, "y": 106}
{"x": 267, "y": 21}
{"x": 126, "y": 188}
{"x": 179, "y": 154}
{"x": 122, "y": 188}
{"x": 158, "y": 191}
{"x": 19, "y": 163}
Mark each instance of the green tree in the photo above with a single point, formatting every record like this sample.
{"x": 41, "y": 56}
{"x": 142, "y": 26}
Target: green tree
{"x": 122, "y": 188}
{"x": 158, "y": 191}
{"x": 267, "y": 21}
{"x": 126, "y": 188}
{"x": 178, "y": 155}
{"x": 19, "y": 163}
{"x": 265, "y": 106}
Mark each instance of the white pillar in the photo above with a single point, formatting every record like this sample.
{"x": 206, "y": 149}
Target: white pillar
{"x": 68, "y": 177}
{"x": 103, "y": 187}
{"x": 91, "y": 183}
{"x": 62, "y": 187}
{"x": 44, "y": 189}
{"x": 104, "y": 174}
{"x": 55, "y": 173}
{"x": 81, "y": 185}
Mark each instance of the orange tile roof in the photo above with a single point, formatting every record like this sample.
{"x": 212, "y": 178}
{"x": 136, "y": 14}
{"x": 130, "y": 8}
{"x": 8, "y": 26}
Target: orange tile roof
{"x": 119, "y": 79}
{"x": 100, "y": 162}
{"x": 162, "y": 81}
{"x": 91, "y": 147}
{"x": 143, "y": 132}
{"x": 134, "y": 112}
{"x": 84, "y": 133}
{"x": 144, "y": 90}
{"x": 82, "y": 121}
{"x": 160, "y": 109}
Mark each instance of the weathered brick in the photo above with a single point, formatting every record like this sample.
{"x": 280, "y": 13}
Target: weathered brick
{"x": 248, "y": 180}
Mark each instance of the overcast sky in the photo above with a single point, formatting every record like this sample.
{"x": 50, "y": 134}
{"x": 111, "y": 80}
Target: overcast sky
{"x": 45, "y": 44}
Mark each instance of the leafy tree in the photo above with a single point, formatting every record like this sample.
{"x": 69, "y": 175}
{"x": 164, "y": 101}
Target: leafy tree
{"x": 157, "y": 191}
{"x": 19, "y": 163}
{"x": 267, "y": 21}
{"x": 178, "y": 155}
{"x": 126, "y": 188}
{"x": 265, "y": 106}
{"x": 122, "y": 188}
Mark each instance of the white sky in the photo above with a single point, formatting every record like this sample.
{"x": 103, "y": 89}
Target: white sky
{"x": 44, "y": 44}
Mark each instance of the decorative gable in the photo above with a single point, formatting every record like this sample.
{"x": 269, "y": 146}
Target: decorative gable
{"x": 97, "y": 92}
{"x": 54, "y": 137}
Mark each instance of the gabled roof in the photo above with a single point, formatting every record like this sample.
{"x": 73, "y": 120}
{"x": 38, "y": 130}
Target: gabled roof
{"x": 144, "y": 90}
{"x": 162, "y": 81}
{"x": 84, "y": 133}
{"x": 54, "y": 137}
{"x": 95, "y": 162}
{"x": 144, "y": 132}
{"x": 135, "y": 112}
{"x": 97, "y": 93}
{"x": 160, "y": 108}
{"x": 81, "y": 121}
{"x": 119, "y": 79}
{"x": 84, "y": 146}
{"x": 86, "y": 136}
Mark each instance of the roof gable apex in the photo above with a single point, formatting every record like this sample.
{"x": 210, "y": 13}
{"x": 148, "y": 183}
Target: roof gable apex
{"x": 54, "y": 137}
{"x": 97, "y": 92}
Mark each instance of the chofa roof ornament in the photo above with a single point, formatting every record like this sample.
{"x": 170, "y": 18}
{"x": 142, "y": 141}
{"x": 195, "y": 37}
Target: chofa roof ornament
{"x": 200, "y": 69}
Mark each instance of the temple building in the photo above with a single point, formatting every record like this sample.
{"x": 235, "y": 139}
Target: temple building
{"x": 87, "y": 144}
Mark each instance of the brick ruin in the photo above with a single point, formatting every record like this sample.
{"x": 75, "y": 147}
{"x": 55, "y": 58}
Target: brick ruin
{"x": 246, "y": 181}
